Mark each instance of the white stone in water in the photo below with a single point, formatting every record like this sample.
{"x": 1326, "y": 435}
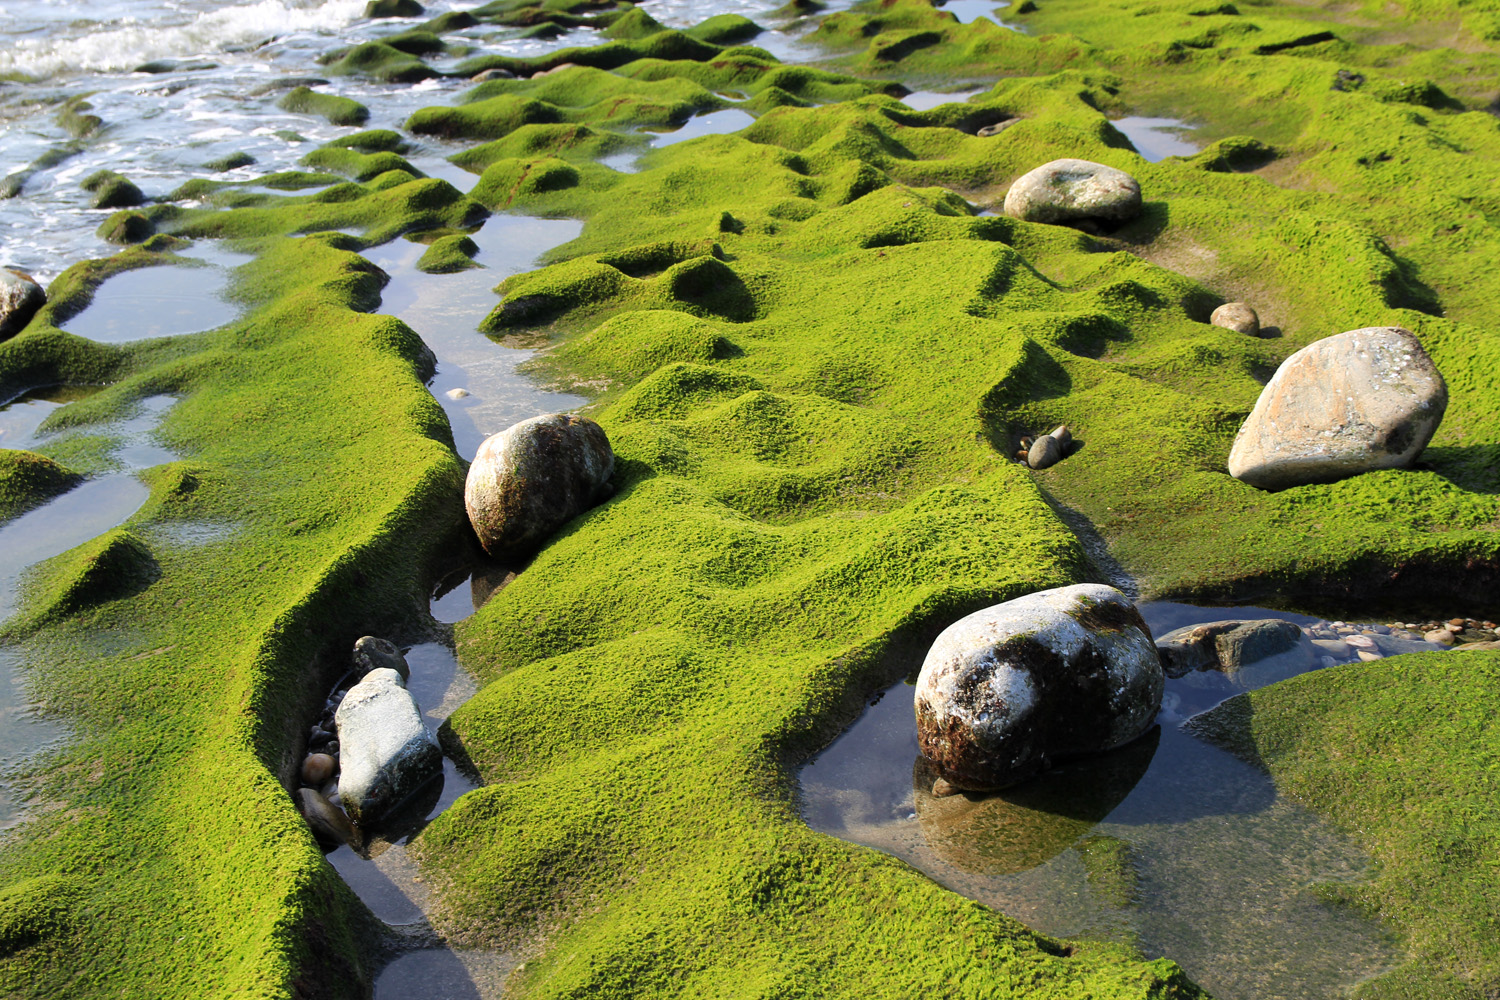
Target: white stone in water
{"x": 457, "y": 393}
{"x": 1057, "y": 673}
{"x": 1362, "y": 400}
{"x": 385, "y": 750}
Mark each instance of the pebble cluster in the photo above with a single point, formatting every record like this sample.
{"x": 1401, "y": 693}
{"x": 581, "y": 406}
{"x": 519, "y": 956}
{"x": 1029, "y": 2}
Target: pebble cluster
{"x": 1342, "y": 642}
{"x": 319, "y": 792}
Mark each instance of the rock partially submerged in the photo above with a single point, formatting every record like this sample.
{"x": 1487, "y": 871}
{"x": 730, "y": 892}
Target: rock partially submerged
{"x": 1228, "y": 645}
{"x": 386, "y": 752}
{"x": 20, "y": 298}
{"x": 328, "y": 822}
{"x": 1056, "y": 674}
{"x": 1071, "y": 190}
{"x": 534, "y": 477}
{"x": 1362, "y": 400}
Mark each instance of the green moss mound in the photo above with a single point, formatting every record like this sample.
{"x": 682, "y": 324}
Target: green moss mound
{"x": 338, "y": 110}
{"x": 1404, "y": 752}
{"x": 126, "y": 227}
{"x": 28, "y": 480}
{"x": 448, "y": 254}
{"x": 111, "y": 190}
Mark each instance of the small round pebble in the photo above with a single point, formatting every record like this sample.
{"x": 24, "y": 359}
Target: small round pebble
{"x": 456, "y": 393}
{"x": 1236, "y": 316}
{"x": 1369, "y": 655}
{"x": 317, "y": 768}
{"x": 1442, "y": 636}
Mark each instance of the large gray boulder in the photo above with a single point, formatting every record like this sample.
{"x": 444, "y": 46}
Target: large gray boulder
{"x": 1070, "y": 190}
{"x": 534, "y": 477}
{"x": 385, "y": 751}
{"x": 1055, "y": 674}
{"x": 20, "y": 298}
{"x": 1362, "y": 400}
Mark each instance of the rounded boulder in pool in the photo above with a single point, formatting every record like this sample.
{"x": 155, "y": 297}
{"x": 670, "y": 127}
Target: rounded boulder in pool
{"x": 1055, "y": 674}
{"x": 534, "y": 477}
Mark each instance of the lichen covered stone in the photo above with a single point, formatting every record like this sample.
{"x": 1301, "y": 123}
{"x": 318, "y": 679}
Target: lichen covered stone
{"x": 1055, "y": 674}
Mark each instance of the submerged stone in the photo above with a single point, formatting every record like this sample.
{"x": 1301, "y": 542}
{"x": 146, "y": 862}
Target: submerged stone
{"x": 1228, "y": 645}
{"x": 1055, "y": 674}
{"x": 532, "y": 478}
{"x": 386, "y": 753}
{"x": 20, "y": 298}
{"x": 1071, "y": 190}
{"x": 1362, "y": 400}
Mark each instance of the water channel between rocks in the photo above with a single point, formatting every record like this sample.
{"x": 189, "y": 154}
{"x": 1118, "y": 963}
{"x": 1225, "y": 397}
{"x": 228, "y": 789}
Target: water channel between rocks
{"x": 1169, "y": 844}
{"x": 445, "y": 310}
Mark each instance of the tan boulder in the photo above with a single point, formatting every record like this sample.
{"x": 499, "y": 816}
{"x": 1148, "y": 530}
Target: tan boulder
{"x": 1362, "y": 400}
{"x": 1071, "y": 190}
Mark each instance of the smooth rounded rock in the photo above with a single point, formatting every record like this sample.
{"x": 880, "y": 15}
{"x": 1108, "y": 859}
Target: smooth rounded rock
{"x": 1441, "y": 636}
{"x": 534, "y": 477}
{"x": 1069, "y": 190}
{"x": 1362, "y": 400}
{"x": 374, "y": 653}
{"x": 387, "y": 753}
{"x": 1236, "y": 316}
{"x": 318, "y": 768}
{"x": 20, "y": 298}
{"x": 456, "y": 393}
{"x": 1055, "y": 674}
{"x": 329, "y": 823}
{"x": 1045, "y": 452}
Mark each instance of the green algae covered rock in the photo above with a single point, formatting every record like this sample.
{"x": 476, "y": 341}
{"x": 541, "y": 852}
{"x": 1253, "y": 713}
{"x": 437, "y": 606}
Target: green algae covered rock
{"x": 28, "y": 480}
{"x": 338, "y": 110}
{"x": 534, "y": 477}
{"x": 394, "y": 8}
{"x": 448, "y": 254}
{"x": 126, "y": 227}
{"x": 111, "y": 190}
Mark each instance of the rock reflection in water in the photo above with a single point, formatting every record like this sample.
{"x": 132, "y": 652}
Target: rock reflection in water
{"x": 1032, "y": 823}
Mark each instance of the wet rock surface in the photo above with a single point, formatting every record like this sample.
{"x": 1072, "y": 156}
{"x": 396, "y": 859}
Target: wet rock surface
{"x": 1362, "y": 400}
{"x": 373, "y": 653}
{"x": 1229, "y": 645}
{"x": 531, "y": 479}
{"x": 386, "y": 752}
{"x": 1054, "y": 674}
{"x": 1071, "y": 190}
{"x": 20, "y": 298}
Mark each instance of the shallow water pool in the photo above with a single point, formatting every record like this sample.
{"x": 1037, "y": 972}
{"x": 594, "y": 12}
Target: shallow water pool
{"x": 1168, "y": 844}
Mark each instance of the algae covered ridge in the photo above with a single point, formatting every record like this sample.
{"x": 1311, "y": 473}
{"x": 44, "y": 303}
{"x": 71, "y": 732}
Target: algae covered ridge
{"x": 815, "y": 351}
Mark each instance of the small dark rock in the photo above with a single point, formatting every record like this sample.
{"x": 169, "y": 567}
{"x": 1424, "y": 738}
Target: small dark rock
{"x": 394, "y": 8}
{"x": 372, "y": 653}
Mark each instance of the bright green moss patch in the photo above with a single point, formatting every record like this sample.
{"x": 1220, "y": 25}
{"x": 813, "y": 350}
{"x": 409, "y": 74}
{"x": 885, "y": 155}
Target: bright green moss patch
{"x": 28, "y": 480}
{"x": 1110, "y": 869}
{"x": 338, "y": 110}
{"x": 379, "y": 61}
{"x": 1404, "y": 753}
{"x": 354, "y": 164}
{"x": 233, "y": 161}
{"x": 125, "y": 227}
{"x": 448, "y": 254}
{"x": 111, "y": 190}
{"x": 76, "y": 120}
